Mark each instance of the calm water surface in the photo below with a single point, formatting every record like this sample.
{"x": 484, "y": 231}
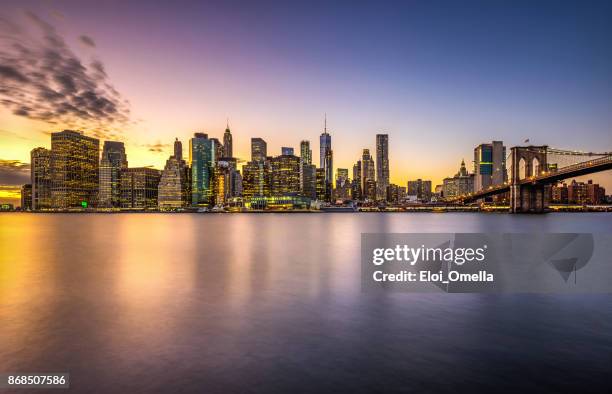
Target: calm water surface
{"x": 271, "y": 303}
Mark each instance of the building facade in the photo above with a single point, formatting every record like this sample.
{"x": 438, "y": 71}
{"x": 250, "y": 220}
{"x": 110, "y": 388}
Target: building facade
{"x": 421, "y": 189}
{"x": 114, "y": 160}
{"x": 382, "y": 165}
{"x": 489, "y": 165}
{"x": 460, "y": 184}
{"x": 140, "y": 188}
{"x": 75, "y": 166}
{"x": 259, "y": 149}
{"x": 40, "y": 176}
{"x": 202, "y": 158}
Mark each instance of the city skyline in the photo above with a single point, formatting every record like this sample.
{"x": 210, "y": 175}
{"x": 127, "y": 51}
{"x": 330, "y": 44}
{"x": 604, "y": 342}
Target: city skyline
{"x": 437, "y": 90}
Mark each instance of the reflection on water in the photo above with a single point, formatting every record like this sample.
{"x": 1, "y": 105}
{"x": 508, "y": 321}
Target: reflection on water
{"x": 272, "y": 303}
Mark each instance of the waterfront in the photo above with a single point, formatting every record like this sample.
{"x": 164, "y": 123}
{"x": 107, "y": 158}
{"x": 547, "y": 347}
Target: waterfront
{"x": 272, "y": 303}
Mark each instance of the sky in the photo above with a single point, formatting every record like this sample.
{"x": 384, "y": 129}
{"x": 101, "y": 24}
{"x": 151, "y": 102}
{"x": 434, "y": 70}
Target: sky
{"x": 439, "y": 77}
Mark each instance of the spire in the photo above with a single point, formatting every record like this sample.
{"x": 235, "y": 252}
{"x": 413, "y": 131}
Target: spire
{"x": 325, "y": 124}
{"x": 227, "y": 124}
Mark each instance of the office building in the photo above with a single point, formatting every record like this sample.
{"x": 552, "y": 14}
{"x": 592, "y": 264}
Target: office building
{"x": 140, "y": 188}
{"x": 321, "y": 184}
{"x": 256, "y": 179}
{"x": 26, "y": 197}
{"x": 460, "y": 184}
{"x": 75, "y": 166}
{"x": 259, "y": 149}
{"x": 112, "y": 163}
{"x": 285, "y": 175}
{"x": 228, "y": 144}
{"x": 342, "y": 191}
{"x": 309, "y": 180}
{"x": 325, "y": 154}
{"x": 40, "y": 175}
{"x": 367, "y": 175}
{"x": 174, "y": 189}
{"x": 382, "y": 165}
{"x": 305, "y": 152}
{"x": 356, "y": 193}
{"x": 421, "y": 189}
{"x": 202, "y": 158}
{"x": 286, "y": 151}
{"x": 489, "y": 165}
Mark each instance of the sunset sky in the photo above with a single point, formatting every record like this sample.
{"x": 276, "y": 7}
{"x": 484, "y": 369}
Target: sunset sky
{"x": 438, "y": 77}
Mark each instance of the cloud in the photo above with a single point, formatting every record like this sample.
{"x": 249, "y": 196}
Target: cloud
{"x": 87, "y": 41}
{"x": 157, "y": 147}
{"x": 41, "y": 78}
{"x": 10, "y": 194}
{"x": 14, "y": 172}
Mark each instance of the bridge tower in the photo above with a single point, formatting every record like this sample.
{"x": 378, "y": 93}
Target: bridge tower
{"x": 527, "y": 162}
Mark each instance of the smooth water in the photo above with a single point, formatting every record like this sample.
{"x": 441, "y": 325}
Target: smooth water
{"x": 272, "y": 303}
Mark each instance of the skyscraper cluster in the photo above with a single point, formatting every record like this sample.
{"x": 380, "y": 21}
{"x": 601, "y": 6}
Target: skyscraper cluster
{"x": 75, "y": 174}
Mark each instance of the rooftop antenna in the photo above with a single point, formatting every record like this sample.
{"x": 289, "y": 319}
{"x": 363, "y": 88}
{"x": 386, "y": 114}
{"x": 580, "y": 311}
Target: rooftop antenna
{"x": 227, "y": 124}
{"x": 325, "y": 127}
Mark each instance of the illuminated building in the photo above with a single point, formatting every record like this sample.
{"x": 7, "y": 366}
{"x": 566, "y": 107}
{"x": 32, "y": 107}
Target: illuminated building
{"x": 278, "y": 202}
{"x": 328, "y": 177}
{"x": 40, "y": 167}
{"x": 285, "y": 175}
{"x": 382, "y": 165}
{"x": 174, "y": 189}
{"x": 583, "y": 193}
{"x": 113, "y": 162}
{"x": 421, "y": 189}
{"x": 305, "y": 152}
{"x": 286, "y": 151}
{"x": 343, "y": 185}
{"x": 393, "y": 193}
{"x": 370, "y": 190}
{"x": 26, "y": 197}
{"x": 256, "y": 179}
{"x": 321, "y": 184}
{"x": 489, "y": 165}
{"x": 309, "y": 181}
{"x": 227, "y": 181}
{"x": 325, "y": 154}
{"x": 367, "y": 174}
{"x": 356, "y": 184}
{"x": 462, "y": 183}
{"x": 202, "y": 157}
{"x": 559, "y": 194}
{"x": 140, "y": 187}
{"x": 74, "y": 169}
{"x": 259, "y": 149}
{"x": 217, "y": 149}
{"x": 228, "y": 150}
{"x": 595, "y": 193}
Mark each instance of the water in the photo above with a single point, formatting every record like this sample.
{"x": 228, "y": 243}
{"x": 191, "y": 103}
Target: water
{"x": 271, "y": 303}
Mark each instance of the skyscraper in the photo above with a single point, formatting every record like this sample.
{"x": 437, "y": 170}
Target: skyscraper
{"x": 113, "y": 162}
{"x": 305, "y": 152}
{"x": 489, "y": 165}
{"x": 174, "y": 189}
{"x": 462, "y": 183}
{"x": 178, "y": 149}
{"x": 367, "y": 175}
{"x": 309, "y": 181}
{"x": 285, "y": 150}
{"x": 259, "y": 149}
{"x": 356, "y": 183}
{"x": 382, "y": 165}
{"x": 343, "y": 186}
{"x": 228, "y": 150}
{"x": 140, "y": 187}
{"x": 256, "y": 179}
{"x": 26, "y": 197}
{"x": 74, "y": 169}
{"x": 325, "y": 155}
{"x": 202, "y": 152}
{"x": 40, "y": 167}
{"x": 285, "y": 175}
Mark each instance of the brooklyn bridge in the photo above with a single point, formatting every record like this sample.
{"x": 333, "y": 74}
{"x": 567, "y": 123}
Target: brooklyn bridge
{"x": 532, "y": 170}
